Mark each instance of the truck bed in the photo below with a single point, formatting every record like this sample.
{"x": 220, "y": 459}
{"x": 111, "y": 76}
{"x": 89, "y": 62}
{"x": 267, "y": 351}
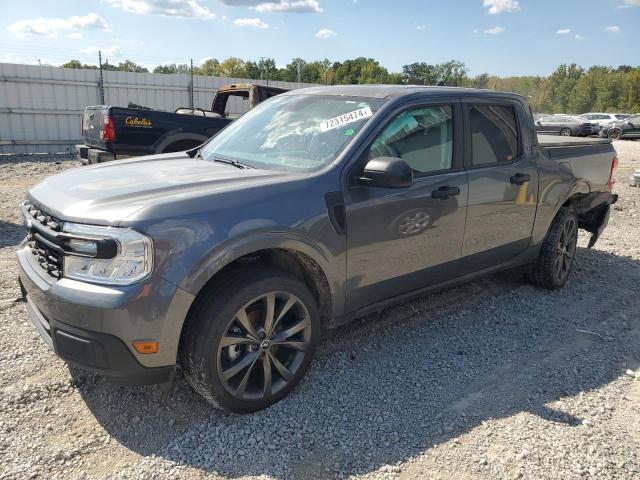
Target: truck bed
{"x": 590, "y": 159}
{"x": 555, "y": 141}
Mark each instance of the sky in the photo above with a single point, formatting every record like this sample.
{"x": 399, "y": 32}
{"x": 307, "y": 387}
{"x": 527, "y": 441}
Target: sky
{"x": 499, "y": 37}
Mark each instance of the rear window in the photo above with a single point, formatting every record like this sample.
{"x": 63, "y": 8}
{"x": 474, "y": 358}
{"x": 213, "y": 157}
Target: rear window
{"x": 494, "y": 134}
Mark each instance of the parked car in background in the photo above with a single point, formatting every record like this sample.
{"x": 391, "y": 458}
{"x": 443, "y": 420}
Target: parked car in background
{"x": 566, "y": 126}
{"x": 118, "y": 132}
{"x": 628, "y": 128}
{"x": 316, "y": 207}
{"x": 538, "y": 116}
{"x": 602, "y": 118}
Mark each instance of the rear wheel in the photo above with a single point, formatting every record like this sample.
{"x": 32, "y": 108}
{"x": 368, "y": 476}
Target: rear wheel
{"x": 250, "y": 342}
{"x": 565, "y": 132}
{"x": 614, "y": 134}
{"x": 555, "y": 260}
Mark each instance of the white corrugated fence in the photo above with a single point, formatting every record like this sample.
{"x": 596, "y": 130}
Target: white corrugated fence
{"x": 41, "y": 107}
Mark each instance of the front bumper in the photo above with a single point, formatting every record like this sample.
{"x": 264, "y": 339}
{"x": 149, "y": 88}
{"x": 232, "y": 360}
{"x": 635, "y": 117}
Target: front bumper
{"x": 93, "y": 326}
{"x": 97, "y": 352}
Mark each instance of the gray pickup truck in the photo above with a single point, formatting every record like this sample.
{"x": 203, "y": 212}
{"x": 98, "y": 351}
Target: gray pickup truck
{"x": 318, "y": 206}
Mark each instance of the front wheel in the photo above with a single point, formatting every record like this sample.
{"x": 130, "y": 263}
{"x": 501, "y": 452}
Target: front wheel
{"x": 565, "y": 132}
{"x": 557, "y": 254}
{"x": 251, "y": 341}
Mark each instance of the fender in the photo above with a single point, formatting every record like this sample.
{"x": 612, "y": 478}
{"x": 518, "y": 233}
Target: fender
{"x": 552, "y": 197}
{"x": 251, "y": 242}
{"x": 172, "y": 137}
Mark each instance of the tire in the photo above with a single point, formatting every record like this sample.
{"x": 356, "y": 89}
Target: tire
{"x": 227, "y": 352}
{"x": 557, "y": 254}
{"x": 565, "y": 132}
{"x": 614, "y": 134}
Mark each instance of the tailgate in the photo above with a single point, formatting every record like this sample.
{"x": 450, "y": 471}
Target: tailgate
{"x": 92, "y": 123}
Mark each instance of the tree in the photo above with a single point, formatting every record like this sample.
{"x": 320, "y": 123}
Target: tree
{"x": 559, "y": 86}
{"x": 480, "y": 81}
{"x": 233, "y": 67}
{"x": 452, "y": 73}
{"x": 129, "y": 66}
{"x": 293, "y": 70}
{"x": 78, "y": 64}
{"x": 173, "y": 68}
{"x": 372, "y": 72}
{"x": 210, "y": 66}
{"x": 419, "y": 73}
{"x": 360, "y": 70}
{"x": 569, "y": 89}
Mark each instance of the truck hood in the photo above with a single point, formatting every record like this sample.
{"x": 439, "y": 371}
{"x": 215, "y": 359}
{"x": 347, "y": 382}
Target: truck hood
{"x": 108, "y": 193}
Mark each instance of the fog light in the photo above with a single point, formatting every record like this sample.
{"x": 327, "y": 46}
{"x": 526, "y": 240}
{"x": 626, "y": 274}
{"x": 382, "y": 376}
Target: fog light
{"x": 145, "y": 346}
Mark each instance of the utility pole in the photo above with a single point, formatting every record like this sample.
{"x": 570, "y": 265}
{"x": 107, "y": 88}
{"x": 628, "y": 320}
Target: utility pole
{"x": 262, "y": 67}
{"x": 298, "y": 66}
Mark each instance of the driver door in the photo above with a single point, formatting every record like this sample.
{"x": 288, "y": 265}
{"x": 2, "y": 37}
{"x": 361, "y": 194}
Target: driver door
{"x": 403, "y": 239}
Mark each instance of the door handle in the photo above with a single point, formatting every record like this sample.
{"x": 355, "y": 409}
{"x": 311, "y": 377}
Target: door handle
{"x": 445, "y": 192}
{"x": 520, "y": 178}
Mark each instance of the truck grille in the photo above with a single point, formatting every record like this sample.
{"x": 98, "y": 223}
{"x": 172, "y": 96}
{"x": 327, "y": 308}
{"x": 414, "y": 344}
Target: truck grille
{"x": 41, "y": 240}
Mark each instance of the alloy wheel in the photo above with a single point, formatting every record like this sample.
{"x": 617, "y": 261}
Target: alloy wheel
{"x": 263, "y": 346}
{"x": 566, "y": 249}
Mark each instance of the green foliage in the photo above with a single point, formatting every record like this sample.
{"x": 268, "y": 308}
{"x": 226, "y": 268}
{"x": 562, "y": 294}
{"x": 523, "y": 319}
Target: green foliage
{"x": 172, "y": 68}
{"x": 569, "y": 89}
{"x": 78, "y": 64}
{"x": 129, "y": 66}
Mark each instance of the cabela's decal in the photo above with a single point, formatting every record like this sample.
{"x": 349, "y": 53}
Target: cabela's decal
{"x": 137, "y": 122}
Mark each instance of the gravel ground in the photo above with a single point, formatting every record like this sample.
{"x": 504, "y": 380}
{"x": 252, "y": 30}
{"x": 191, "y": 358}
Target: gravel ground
{"x": 495, "y": 379}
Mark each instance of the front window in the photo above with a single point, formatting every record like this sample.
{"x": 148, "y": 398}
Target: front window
{"x": 293, "y": 132}
{"x": 422, "y": 137}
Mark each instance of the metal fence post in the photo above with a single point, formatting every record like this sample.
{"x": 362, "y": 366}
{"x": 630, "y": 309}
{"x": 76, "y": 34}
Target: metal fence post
{"x": 191, "y": 86}
{"x": 100, "y": 79}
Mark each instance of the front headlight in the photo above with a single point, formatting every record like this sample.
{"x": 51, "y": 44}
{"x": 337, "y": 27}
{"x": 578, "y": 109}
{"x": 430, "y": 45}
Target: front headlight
{"x": 131, "y": 261}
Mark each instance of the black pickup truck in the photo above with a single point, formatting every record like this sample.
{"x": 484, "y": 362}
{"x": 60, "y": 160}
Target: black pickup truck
{"x": 118, "y": 132}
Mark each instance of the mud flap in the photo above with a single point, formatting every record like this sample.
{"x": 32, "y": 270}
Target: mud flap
{"x": 599, "y": 224}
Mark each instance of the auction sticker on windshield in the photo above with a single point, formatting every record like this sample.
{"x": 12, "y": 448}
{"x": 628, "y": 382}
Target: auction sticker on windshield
{"x": 349, "y": 117}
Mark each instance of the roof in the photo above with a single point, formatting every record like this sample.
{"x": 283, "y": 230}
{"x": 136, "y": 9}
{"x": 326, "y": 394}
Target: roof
{"x": 388, "y": 91}
{"x": 246, "y": 86}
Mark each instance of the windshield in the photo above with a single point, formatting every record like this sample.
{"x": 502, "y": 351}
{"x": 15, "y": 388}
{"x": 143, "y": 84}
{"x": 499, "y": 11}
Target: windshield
{"x": 293, "y": 132}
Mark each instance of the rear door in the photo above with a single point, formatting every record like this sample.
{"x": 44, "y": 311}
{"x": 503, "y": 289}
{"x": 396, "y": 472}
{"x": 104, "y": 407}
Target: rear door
{"x": 402, "y": 239}
{"x": 503, "y": 183}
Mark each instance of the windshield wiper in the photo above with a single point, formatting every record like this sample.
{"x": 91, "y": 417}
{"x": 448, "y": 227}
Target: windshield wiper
{"x": 229, "y": 161}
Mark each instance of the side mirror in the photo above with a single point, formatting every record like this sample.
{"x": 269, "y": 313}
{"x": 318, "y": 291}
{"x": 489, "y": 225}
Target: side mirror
{"x": 387, "y": 172}
{"x": 538, "y": 123}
